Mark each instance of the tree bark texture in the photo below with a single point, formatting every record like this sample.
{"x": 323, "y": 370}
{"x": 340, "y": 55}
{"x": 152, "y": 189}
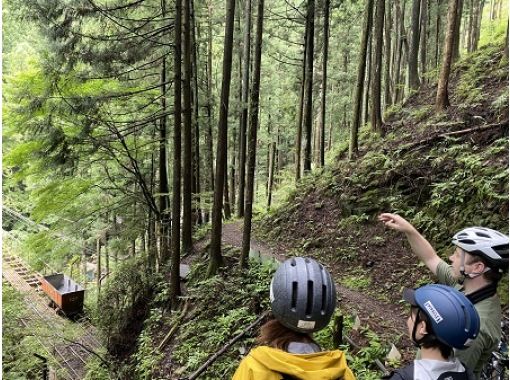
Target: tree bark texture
{"x": 387, "y": 56}
{"x": 216, "y": 259}
{"x": 252, "y": 135}
{"x": 300, "y": 112}
{"x": 414, "y": 80}
{"x": 423, "y": 38}
{"x": 442, "y": 101}
{"x": 308, "y": 111}
{"x": 187, "y": 168}
{"x": 376, "y": 117}
{"x": 358, "y": 90}
{"x": 245, "y": 85}
{"x": 175, "y": 285}
{"x": 324, "y": 81}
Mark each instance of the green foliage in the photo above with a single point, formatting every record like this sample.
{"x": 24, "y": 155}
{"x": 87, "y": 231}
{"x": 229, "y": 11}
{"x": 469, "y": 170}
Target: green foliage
{"x": 357, "y": 281}
{"x": 473, "y": 73}
{"x": 18, "y": 342}
{"x": 225, "y": 304}
{"x": 147, "y": 357}
{"x": 123, "y": 303}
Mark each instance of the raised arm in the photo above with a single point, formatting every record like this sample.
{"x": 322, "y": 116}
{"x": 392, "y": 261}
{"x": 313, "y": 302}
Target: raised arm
{"x": 420, "y": 246}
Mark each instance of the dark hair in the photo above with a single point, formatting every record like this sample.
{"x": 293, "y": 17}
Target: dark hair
{"x": 430, "y": 340}
{"x": 494, "y": 275}
{"x": 274, "y": 334}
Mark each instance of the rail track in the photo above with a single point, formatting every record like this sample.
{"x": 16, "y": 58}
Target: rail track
{"x": 70, "y": 343}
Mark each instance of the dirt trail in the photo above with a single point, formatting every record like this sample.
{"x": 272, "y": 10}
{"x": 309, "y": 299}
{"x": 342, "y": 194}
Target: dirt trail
{"x": 387, "y": 319}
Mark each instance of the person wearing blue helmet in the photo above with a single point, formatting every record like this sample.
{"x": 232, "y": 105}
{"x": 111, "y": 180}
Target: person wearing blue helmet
{"x": 441, "y": 319}
{"x": 477, "y": 265}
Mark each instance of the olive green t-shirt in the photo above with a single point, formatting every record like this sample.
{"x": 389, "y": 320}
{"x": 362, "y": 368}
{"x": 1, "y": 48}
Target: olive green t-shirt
{"x": 477, "y": 355}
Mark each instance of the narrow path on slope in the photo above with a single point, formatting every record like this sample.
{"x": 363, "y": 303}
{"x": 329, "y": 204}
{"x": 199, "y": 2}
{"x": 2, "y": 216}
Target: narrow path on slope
{"x": 387, "y": 319}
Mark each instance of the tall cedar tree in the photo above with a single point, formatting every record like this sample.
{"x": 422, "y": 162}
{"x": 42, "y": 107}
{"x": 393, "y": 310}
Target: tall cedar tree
{"x": 300, "y": 112}
{"x": 358, "y": 90}
{"x": 252, "y": 135}
{"x": 376, "y": 118}
{"x": 245, "y": 88}
{"x": 442, "y": 101}
{"x": 216, "y": 259}
{"x": 414, "y": 79}
{"x": 164, "y": 202}
{"x": 325, "y": 45}
{"x": 308, "y": 111}
{"x": 175, "y": 287}
{"x": 187, "y": 169}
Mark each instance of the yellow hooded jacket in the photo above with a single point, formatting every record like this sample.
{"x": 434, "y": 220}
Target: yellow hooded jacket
{"x": 267, "y": 363}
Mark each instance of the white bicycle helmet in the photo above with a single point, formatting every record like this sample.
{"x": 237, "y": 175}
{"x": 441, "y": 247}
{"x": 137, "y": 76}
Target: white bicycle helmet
{"x": 486, "y": 243}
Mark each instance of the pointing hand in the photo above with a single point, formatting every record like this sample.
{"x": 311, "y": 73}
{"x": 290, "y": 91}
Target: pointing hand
{"x": 396, "y": 222}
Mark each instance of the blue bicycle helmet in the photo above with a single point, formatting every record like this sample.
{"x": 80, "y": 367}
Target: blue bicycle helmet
{"x": 453, "y": 318}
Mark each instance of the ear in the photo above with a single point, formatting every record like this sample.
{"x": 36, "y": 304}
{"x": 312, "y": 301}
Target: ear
{"x": 422, "y": 328}
{"x": 478, "y": 267}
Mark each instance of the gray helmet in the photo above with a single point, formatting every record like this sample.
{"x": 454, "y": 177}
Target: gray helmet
{"x": 486, "y": 243}
{"x": 303, "y": 295}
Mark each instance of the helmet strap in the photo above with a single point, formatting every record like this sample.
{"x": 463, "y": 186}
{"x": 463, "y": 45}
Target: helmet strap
{"x": 462, "y": 269}
{"x": 426, "y": 338}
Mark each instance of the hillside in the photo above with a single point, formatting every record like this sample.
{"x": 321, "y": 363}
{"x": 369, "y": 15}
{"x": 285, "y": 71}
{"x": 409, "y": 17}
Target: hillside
{"x": 443, "y": 172}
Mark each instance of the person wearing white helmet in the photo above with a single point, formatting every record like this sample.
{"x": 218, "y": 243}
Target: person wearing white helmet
{"x": 477, "y": 265}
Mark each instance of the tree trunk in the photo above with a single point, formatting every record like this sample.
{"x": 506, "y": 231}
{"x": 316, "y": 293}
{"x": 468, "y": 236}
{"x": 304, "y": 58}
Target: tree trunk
{"x": 252, "y": 137}
{"x": 423, "y": 38}
{"x": 438, "y": 29}
{"x": 470, "y": 26}
{"x": 216, "y": 259}
{"x": 414, "y": 80}
{"x": 209, "y": 134}
{"x": 308, "y": 111}
{"x": 197, "y": 209}
{"x": 273, "y": 166}
{"x": 399, "y": 41}
{"x": 244, "y": 112}
{"x": 387, "y": 56}
{"x": 300, "y": 112}
{"x": 456, "y": 36}
{"x": 376, "y": 117}
{"x": 175, "y": 286}
{"x": 187, "y": 167}
{"x": 358, "y": 90}
{"x": 322, "y": 126}
{"x": 226, "y": 204}
{"x": 477, "y": 24}
{"x": 442, "y": 86}
{"x": 98, "y": 267}
{"x": 368, "y": 82}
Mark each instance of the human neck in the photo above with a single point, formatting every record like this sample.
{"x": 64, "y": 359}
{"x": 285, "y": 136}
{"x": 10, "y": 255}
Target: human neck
{"x": 432, "y": 353}
{"x": 473, "y": 284}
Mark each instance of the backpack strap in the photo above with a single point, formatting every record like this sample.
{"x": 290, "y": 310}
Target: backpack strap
{"x": 454, "y": 376}
{"x": 405, "y": 373}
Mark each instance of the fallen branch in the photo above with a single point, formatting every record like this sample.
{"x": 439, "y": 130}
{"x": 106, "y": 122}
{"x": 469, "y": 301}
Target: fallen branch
{"x": 174, "y": 327}
{"x": 213, "y": 358}
{"x": 454, "y": 133}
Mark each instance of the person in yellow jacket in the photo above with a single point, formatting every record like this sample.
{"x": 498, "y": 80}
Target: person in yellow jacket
{"x": 303, "y": 299}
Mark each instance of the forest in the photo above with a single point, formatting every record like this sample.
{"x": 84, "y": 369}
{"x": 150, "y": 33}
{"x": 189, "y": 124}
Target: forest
{"x": 164, "y": 157}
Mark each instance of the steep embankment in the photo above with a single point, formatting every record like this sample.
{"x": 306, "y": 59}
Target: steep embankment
{"x": 442, "y": 171}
